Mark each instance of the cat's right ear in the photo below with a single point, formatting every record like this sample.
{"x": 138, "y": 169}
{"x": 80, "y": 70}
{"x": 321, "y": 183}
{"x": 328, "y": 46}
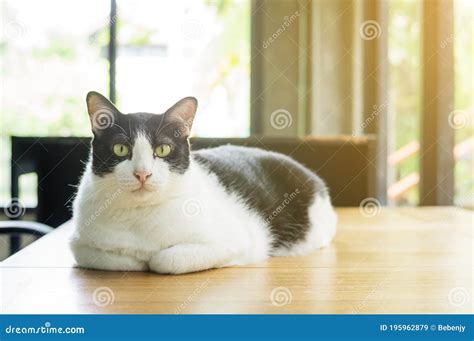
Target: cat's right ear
{"x": 183, "y": 113}
{"x": 102, "y": 112}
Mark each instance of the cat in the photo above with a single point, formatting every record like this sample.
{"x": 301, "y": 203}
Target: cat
{"x": 147, "y": 202}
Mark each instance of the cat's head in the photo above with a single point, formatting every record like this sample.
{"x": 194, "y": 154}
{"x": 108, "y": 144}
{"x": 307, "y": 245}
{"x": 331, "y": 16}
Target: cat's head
{"x": 140, "y": 152}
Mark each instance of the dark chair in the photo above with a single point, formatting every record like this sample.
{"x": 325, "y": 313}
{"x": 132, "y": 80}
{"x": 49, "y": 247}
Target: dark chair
{"x": 345, "y": 163}
{"x": 58, "y": 163}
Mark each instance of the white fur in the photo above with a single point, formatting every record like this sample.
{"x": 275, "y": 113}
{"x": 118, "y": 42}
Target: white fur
{"x": 177, "y": 223}
{"x": 322, "y": 231}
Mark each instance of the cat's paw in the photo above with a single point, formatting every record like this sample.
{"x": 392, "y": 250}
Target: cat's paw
{"x": 170, "y": 261}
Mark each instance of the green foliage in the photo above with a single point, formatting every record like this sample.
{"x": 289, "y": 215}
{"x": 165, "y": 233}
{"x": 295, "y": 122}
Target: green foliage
{"x": 58, "y": 47}
{"x": 220, "y": 5}
{"x": 405, "y": 82}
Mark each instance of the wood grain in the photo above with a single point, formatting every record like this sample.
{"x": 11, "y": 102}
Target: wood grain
{"x": 402, "y": 260}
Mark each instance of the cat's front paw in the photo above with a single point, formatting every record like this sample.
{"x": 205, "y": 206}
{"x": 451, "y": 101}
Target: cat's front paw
{"x": 169, "y": 261}
{"x": 183, "y": 258}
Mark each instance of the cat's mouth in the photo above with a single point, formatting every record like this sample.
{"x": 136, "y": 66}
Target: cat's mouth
{"x": 141, "y": 189}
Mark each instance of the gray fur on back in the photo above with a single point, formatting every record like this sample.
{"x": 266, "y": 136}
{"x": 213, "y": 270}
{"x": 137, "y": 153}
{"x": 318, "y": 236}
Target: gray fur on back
{"x": 272, "y": 184}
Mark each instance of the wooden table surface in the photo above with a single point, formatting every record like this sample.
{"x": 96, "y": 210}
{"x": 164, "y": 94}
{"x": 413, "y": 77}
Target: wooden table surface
{"x": 402, "y": 260}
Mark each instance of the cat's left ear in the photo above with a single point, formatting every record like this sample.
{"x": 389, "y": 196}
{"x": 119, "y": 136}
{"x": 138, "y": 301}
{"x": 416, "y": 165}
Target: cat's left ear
{"x": 102, "y": 112}
{"x": 183, "y": 112}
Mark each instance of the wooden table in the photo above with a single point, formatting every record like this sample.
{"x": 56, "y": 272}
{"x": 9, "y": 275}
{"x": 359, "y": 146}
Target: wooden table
{"x": 402, "y": 260}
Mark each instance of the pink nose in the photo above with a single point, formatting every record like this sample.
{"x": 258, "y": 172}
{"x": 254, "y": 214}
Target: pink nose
{"x": 142, "y": 176}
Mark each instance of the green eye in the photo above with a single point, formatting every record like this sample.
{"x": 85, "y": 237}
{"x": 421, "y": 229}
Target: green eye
{"x": 120, "y": 150}
{"x": 162, "y": 150}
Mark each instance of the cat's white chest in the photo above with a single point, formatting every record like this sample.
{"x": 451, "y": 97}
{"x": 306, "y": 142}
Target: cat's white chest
{"x": 144, "y": 228}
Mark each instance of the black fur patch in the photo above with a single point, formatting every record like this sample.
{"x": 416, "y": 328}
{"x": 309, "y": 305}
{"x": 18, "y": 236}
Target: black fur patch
{"x": 125, "y": 129}
{"x": 277, "y": 187}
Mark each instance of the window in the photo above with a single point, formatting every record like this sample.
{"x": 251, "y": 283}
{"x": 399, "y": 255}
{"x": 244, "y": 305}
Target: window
{"x": 49, "y": 62}
{"x": 171, "y": 49}
{"x": 165, "y": 50}
{"x": 404, "y": 110}
{"x": 462, "y": 118}
{"x": 405, "y": 44}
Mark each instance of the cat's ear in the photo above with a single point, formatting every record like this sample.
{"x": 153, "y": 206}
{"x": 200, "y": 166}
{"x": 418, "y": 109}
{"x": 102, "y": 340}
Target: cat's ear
{"x": 183, "y": 112}
{"x": 102, "y": 112}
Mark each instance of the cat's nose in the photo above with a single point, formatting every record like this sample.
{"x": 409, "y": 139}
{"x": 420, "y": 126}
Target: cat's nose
{"x": 142, "y": 176}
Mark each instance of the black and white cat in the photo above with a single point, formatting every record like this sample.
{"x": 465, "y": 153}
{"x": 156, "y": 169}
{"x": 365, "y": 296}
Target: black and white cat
{"x": 146, "y": 202}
